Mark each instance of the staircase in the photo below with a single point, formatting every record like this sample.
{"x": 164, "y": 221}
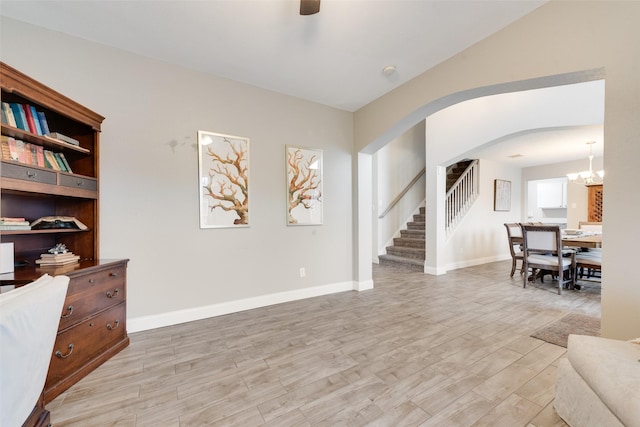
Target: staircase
{"x": 455, "y": 171}
{"x": 408, "y": 250}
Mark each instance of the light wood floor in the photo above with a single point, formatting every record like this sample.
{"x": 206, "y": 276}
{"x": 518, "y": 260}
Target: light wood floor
{"x": 418, "y": 350}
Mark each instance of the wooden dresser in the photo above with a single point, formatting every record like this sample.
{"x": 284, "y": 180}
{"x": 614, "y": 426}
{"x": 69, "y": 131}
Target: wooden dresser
{"x": 92, "y": 324}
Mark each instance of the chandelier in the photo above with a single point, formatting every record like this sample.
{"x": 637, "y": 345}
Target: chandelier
{"x": 588, "y": 177}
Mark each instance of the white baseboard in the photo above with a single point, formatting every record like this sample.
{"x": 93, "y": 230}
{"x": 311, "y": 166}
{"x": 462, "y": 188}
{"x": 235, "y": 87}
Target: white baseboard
{"x": 436, "y": 271}
{"x": 144, "y": 323}
{"x": 363, "y": 286}
{"x": 477, "y": 261}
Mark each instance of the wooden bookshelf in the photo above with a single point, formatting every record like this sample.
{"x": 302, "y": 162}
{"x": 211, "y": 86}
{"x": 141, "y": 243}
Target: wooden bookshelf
{"x": 97, "y": 290}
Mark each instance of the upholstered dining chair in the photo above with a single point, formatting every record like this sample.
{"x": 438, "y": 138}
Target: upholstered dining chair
{"x": 589, "y": 263}
{"x": 542, "y": 247}
{"x": 29, "y": 319}
{"x": 514, "y": 236}
{"x": 595, "y": 227}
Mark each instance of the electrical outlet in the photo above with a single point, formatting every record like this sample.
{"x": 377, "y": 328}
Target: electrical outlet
{"x": 302, "y": 272}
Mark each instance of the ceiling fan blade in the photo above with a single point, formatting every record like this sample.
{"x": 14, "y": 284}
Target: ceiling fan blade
{"x": 309, "y": 7}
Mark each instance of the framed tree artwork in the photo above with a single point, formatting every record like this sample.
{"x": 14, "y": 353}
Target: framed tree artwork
{"x": 304, "y": 185}
{"x": 224, "y": 180}
{"x": 502, "y": 195}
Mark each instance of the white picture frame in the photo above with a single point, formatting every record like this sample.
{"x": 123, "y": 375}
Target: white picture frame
{"x": 304, "y": 185}
{"x": 223, "y": 181}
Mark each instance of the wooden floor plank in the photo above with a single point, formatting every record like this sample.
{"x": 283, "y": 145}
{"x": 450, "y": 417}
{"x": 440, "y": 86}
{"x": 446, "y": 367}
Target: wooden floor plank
{"x": 415, "y": 350}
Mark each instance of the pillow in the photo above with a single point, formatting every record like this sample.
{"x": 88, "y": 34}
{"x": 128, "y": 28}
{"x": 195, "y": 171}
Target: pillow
{"x": 29, "y": 319}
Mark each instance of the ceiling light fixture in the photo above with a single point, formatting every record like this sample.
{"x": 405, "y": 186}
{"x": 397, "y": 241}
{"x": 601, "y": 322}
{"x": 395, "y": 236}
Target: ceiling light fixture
{"x": 588, "y": 177}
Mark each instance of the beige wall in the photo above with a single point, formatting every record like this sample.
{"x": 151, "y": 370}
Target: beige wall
{"x": 149, "y": 179}
{"x": 559, "y": 37}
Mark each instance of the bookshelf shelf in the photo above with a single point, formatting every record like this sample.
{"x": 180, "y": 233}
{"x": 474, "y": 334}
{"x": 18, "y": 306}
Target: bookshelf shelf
{"x": 42, "y": 140}
{"x": 50, "y": 231}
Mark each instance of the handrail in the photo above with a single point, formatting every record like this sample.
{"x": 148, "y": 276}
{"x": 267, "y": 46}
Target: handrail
{"x": 402, "y": 193}
{"x": 462, "y": 195}
{"x": 461, "y": 178}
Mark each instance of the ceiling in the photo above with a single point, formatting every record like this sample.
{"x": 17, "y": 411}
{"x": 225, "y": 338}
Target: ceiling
{"x": 267, "y": 43}
{"x": 335, "y": 57}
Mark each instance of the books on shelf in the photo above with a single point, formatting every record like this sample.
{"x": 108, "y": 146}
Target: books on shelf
{"x": 57, "y": 259}
{"x": 36, "y": 120}
{"x": 62, "y": 160}
{"x": 31, "y": 154}
{"x": 13, "y": 219}
{"x": 58, "y": 222}
{"x": 8, "y": 112}
{"x": 30, "y": 122}
{"x": 43, "y": 123}
{"x": 50, "y": 160}
{"x": 6, "y": 149}
{"x": 64, "y": 138}
{"x": 18, "y": 114}
{"x": 11, "y": 227}
{"x": 14, "y": 223}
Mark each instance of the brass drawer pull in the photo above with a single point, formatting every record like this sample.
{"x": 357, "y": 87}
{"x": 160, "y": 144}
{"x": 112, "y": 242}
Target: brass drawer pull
{"x": 92, "y": 281}
{"x": 32, "y": 174}
{"x": 114, "y": 294}
{"x": 69, "y": 311}
{"x": 113, "y": 274}
{"x": 64, "y": 356}
{"x": 111, "y": 328}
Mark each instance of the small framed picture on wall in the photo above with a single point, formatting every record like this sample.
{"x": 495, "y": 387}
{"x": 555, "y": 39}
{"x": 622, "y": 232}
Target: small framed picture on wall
{"x": 501, "y": 195}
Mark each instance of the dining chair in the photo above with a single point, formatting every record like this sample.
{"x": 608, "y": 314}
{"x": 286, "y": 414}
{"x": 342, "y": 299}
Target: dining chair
{"x": 589, "y": 263}
{"x": 596, "y": 227}
{"x": 514, "y": 236}
{"x": 543, "y": 252}
{"x": 29, "y": 319}
{"x": 590, "y": 259}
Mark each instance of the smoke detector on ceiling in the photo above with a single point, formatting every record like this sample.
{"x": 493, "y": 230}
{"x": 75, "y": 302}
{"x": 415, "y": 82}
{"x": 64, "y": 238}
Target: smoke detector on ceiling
{"x": 389, "y": 70}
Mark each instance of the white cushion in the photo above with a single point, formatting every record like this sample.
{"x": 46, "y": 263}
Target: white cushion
{"x": 548, "y": 260}
{"x": 612, "y": 369}
{"x": 577, "y": 404}
{"x": 29, "y": 319}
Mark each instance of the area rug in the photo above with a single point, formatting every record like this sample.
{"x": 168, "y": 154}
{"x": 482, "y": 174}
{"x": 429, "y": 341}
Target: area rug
{"x": 573, "y": 323}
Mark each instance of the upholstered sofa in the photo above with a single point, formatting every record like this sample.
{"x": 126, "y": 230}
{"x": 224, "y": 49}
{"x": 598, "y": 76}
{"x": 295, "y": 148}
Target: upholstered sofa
{"x": 598, "y": 384}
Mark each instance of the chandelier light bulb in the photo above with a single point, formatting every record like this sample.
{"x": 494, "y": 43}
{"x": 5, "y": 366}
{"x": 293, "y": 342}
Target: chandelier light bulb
{"x": 587, "y": 177}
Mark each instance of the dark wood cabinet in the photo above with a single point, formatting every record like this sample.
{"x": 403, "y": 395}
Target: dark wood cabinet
{"x": 93, "y": 325}
{"x": 93, "y": 321}
{"x": 594, "y": 202}
{"x": 32, "y": 192}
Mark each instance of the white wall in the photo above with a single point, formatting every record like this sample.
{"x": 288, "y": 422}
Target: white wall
{"x": 395, "y": 165}
{"x": 481, "y": 236}
{"x": 560, "y": 42}
{"x": 577, "y": 195}
{"x": 149, "y": 179}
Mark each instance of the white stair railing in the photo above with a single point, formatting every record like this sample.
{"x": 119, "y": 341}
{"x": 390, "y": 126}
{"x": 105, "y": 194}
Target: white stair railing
{"x": 462, "y": 195}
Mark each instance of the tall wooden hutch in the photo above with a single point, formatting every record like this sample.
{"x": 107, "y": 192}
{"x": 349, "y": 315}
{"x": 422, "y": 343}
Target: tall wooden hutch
{"x": 93, "y": 321}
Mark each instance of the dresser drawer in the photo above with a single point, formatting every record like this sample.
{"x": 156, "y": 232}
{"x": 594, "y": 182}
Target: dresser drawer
{"x": 76, "y": 181}
{"x": 10, "y": 170}
{"x": 91, "y": 293}
{"x": 77, "y": 346}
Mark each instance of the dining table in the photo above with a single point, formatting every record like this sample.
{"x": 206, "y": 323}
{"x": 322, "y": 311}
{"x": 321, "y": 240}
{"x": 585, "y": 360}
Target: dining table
{"x": 585, "y": 240}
